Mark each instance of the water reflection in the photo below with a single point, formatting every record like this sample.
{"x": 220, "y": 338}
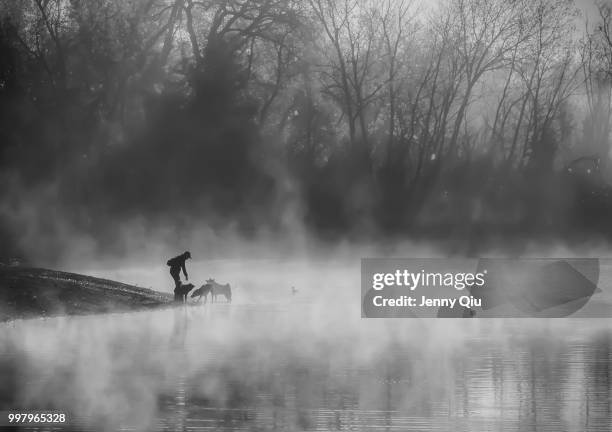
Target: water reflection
{"x": 296, "y": 367}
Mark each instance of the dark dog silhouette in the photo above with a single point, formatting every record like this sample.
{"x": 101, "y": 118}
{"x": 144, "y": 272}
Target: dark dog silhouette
{"x": 202, "y": 292}
{"x": 180, "y": 293}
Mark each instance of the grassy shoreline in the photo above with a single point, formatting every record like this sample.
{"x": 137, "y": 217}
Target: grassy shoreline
{"x": 27, "y": 292}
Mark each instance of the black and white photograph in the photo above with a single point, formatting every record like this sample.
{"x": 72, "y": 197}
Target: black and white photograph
{"x": 306, "y": 215}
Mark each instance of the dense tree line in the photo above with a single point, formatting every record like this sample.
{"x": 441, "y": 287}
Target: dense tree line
{"x": 466, "y": 118}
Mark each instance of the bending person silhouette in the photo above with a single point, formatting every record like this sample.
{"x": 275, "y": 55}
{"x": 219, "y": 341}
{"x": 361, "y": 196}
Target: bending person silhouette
{"x": 177, "y": 264}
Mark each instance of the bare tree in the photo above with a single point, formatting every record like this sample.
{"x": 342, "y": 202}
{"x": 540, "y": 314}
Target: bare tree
{"x": 352, "y": 71}
{"x": 596, "y": 56}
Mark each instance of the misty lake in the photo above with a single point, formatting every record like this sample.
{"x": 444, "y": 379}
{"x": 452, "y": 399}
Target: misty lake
{"x": 308, "y": 362}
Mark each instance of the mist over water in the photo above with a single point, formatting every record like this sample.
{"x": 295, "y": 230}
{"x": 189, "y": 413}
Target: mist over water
{"x": 276, "y": 361}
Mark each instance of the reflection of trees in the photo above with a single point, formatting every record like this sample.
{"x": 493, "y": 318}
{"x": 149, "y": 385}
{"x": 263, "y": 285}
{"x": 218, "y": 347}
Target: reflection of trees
{"x": 597, "y": 388}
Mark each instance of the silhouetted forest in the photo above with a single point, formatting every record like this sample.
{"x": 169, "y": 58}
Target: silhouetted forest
{"x": 451, "y": 119}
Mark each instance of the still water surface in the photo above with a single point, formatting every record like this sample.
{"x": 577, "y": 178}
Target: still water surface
{"x": 298, "y": 363}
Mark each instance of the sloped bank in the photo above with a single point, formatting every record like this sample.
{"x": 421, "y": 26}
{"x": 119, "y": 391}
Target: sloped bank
{"x": 27, "y": 292}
